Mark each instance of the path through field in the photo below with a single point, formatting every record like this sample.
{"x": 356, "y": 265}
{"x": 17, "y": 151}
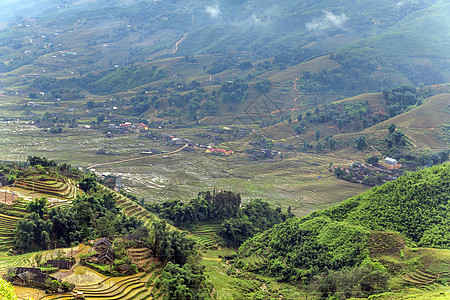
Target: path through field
{"x": 137, "y": 158}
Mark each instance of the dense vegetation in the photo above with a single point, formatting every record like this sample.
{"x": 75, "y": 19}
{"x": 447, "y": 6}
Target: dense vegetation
{"x": 298, "y": 249}
{"x": 104, "y": 82}
{"x": 254, "y": 217}
{"x": 94, "y": 215}
{"x": 207, "y": 207}
{"x": 416, "y": 205}
{"x": 184, "y": 281}
{"x": 90, "y": 216}
{"x": 347, "y": 115}
{"x": 182, "y": 276}
{"x": 403, "y": 97}
{"x": 357, "y": 115}
{"x": 36, "y": 165}
{"x": 119, "y": 79}
{"x": 237, "y": 224}
{"x": 7, "y": 290}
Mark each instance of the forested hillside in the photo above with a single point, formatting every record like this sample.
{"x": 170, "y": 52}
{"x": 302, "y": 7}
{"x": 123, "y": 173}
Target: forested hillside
{"x": 416, "y": 206}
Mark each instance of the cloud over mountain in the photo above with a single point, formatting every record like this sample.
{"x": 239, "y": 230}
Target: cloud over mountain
{"x": 328, "y": 20}
{"x": 213, "y": 11}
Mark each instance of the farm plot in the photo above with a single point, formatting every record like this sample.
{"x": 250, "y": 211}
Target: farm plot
{"x": 138, "y": 286}
{"x": 65, "y": 189}
{"x": 420, "y": 277}
{"x": 17, "y": 209}
{"x": 302, "y": 182}
{"x": 7, "y": 227}
{"x": 130, "y": 208}
{"x": 8, "y": 261}
{"x": 142, "y": 257}
{"x": 206, "y": 235}
{"x": 293, "y": 181}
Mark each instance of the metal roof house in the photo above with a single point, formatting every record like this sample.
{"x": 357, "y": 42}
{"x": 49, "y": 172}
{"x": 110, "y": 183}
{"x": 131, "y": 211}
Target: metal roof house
{"x": 390, "y": 161}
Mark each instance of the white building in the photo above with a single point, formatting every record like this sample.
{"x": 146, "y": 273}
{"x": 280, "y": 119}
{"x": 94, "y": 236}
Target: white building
{"x": 390, "y": 161}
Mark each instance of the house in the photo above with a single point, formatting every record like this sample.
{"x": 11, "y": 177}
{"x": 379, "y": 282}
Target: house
{"x": 20, "y": 270}
{"x": 221, "y": 152}
{"x": 60, "y": 264}
{"x": 145, "y": 152}
{"x": 142, "y": 126}
{"x": 106, "y": 257}
{"x": 106, "y": 252}
{"x": 23, "y": 276}
{"x": 125, "y": 125}
{"x": 102, "y": 244}
{"x": 390, "y": 161}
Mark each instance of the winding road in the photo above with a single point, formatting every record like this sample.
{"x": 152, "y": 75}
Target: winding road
{"x": 137, "y": 158}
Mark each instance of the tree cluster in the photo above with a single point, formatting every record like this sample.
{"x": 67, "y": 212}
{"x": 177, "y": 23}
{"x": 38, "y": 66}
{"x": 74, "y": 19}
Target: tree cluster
{"x": 89, "y": 217}
{"x": 399, "y": 99}
{"x": 358, "y": 282}
{"x": 254, "y": 217}
{"x": 206, "y": 208}
{"x": 234, "y": 91}
{"x": 299, "y": 250}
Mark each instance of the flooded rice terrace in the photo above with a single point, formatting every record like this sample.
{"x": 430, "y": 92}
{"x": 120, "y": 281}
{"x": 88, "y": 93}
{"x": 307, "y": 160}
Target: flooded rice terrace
{"x": 302, "y": 182}
{"x": 181, "y": 175}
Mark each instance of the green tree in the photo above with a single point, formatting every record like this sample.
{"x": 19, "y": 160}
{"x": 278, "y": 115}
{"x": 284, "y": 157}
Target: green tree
{"x": 7, "y": 290}
{"x": 88, "y": 183}
{"x": 318, "y": 134}
{"x": 264, "y": 85}
{"x": 55, "y": 285}
{"x": 319, "y": 146}
{"x": 300, "y": 127}
{"x": 100, "y": 118}
{"x": 246, "y": 65}
{"x": 331, "y": 142}
{"x": 361, "y": 142}
{"x": 372, "y": 160}
{"x": 39, "y": 206}
{"x": 392, "y": 128}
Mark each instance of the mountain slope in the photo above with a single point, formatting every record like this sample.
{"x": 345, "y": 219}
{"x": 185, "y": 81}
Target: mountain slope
{"x": 416, "y": 205}
{"x": 426, "y": 125}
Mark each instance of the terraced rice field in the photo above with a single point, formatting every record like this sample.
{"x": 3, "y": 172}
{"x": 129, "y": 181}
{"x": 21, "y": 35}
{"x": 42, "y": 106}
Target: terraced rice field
{"x": 7, "y": 226}
{"x": 28, "y": 259}
{"x": 206, "y": 235}
{"x": 138, "y": 287}
{"x": 16, "y": 209}
{"x": 65, "y": 189}
{"x": 420, "y": 278}
{"x": 132, "y": 209}
{"x": 7, "y": 261}
{"x": 142, "y": 257}
{"x": 290, "y": 182}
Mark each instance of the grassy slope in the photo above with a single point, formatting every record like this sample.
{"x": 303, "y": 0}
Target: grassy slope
{"x": 420, "y": 34}
{"x": 424, "y": 125}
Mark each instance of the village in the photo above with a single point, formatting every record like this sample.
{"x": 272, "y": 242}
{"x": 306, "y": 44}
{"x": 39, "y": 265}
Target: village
{"x": 373, "y": 174}
{"x": 62, "y": 274}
